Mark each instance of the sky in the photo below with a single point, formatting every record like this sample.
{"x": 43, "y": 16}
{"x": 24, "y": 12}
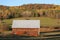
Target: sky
{"x": 21, "y": 2}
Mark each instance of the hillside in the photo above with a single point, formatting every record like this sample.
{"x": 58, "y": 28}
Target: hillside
{"x": 7, "y": 12}
{"x": 33, "y": 6}
{"x": 39, "y": 6}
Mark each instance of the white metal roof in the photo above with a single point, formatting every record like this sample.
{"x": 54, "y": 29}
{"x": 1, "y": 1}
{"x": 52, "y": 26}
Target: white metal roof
{"x": 26, "y": 24}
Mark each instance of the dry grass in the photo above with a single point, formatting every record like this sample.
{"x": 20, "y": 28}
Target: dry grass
{"x": 45, "y": 21}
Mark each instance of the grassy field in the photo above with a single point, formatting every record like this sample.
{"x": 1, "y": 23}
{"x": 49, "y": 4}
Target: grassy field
{"x": 45, "y": 21}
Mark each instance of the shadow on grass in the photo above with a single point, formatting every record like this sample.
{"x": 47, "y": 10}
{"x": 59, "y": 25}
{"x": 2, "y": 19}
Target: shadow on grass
{"x": 17, "y": 37}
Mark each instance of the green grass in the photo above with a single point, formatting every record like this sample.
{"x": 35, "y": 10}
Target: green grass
{"x": 45, "y": 21}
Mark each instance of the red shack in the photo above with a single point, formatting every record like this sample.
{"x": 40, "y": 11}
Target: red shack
{"x": 26, "y": 27}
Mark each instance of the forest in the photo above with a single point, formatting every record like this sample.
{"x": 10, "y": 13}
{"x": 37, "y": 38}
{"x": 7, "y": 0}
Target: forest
{"x": 29, "y": 10}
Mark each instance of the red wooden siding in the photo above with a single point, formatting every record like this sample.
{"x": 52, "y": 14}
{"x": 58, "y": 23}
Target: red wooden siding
{"x": 26, "y": 31}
